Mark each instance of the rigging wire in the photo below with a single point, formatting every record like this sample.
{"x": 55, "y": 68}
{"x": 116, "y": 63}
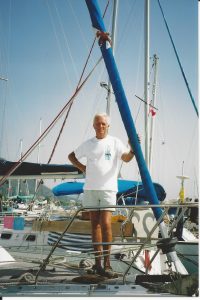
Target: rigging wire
{"x": 71, "y": 102}
{"x": 3, "y": 120}
{"x": 179, "y": 62}
{"x": 59, "y": 44}
{"x": 127, "y": 24}
{"x": 47, "y": 130}
{"x": 79, "y": 82}
{"x": 4, "y": 78}
{"x": 97, "y": 99}
{"x": 79, "y": 26}
{"x": 132, "y": 15}
{"x": 66, "y": 41}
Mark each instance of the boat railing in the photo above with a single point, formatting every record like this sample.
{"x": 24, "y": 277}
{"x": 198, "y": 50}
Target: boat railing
{"x": 161, "y": 218}
{"x": 165, "y": 207}
{"x": 176, "y": 220}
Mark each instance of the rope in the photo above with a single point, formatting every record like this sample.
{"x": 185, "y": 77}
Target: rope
{"x": 64, "y": 122}
{"x": 182, "y": 71}
{"x": 43, "y": 135}
{"x": 79, "y": 82}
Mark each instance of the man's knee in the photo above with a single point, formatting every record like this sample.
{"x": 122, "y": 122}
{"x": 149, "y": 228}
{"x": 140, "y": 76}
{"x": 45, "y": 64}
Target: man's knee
{"x": 106, "y": 222}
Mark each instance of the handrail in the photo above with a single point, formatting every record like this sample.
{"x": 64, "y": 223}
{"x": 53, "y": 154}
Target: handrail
{"x": 175, "y": 222}
{"x": 138, "y": 206}
{"x": 45, "y": 261}
{"x": 144, "y": 243}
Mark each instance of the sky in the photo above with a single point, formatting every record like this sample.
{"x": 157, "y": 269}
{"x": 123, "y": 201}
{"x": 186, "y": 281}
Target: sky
{"x": 44, "y": 47}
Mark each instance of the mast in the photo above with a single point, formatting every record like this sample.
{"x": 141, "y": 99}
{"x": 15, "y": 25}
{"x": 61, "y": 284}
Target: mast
{"x": 39, "y": 144}
{"x": 1, "y": 142}
{"x": 182, "y": 177}
{"x": 38, "y": 155}
{"x": 146, "y": 80}
{"x": 9, "y": 188}
{"x": 155, "y": 63}
{"x": 19, "y": 182}
{"x": 114, "y": 22}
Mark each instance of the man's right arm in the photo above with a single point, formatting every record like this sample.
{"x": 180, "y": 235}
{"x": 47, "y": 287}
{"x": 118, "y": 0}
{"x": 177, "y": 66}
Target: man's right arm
{"x": 76, "y": 162}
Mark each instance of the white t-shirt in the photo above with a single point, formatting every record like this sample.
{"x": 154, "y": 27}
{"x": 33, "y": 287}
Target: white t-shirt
{"x": 103, "y": 162}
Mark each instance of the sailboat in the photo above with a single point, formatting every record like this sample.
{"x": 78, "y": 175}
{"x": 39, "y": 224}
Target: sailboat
{"x": 110, "y": 288}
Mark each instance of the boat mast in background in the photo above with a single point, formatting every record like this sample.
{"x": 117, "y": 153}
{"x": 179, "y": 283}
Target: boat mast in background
{"x": 113, "y": 37}
{"x": 38, "y": 156}
{"x": 182, "y": 189}
{"x": 153, "y": 103}
{"x": 21, "y": 154}
{"x": 146, "y": 80}
{"x": 2, "y": 120}
{"x": 39, "y": 144}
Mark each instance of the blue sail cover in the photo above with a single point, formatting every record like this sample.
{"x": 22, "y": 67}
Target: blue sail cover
{"x": 122, "y": 102}
{"x": 129, "y": 189}
{"x": 71, "y": 188}
{"x": 68, "y": 188}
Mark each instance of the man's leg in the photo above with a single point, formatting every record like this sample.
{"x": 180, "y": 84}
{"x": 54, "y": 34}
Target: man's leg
{"x": 96, "y": 236}
{"x": 106, "y": 226}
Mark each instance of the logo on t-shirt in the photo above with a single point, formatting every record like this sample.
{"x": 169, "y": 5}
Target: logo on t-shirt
{"x": 108, "y": 153}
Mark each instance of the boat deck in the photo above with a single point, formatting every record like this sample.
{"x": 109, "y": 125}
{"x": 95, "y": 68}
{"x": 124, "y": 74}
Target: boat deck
{"x": 27, "y": 279}
{"x": 19, "y": 280}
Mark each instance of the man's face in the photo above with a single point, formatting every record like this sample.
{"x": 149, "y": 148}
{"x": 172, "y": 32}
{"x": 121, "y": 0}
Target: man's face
{"x": 101, "y": 127}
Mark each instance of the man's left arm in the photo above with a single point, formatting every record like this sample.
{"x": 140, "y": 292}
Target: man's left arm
{"x": 126, "y": 157}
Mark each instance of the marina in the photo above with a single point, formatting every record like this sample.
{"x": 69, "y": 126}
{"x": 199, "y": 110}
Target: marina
{"x": 46, "y": 246}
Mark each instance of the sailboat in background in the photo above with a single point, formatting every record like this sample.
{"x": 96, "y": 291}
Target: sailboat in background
{"x": 134, "y": 260}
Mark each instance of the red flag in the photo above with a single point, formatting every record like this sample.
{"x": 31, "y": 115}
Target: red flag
{"x": 152, "y": 112}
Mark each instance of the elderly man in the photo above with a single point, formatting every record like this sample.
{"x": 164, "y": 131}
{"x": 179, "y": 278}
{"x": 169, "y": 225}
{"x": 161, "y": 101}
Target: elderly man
{"x": 103, "y": 154}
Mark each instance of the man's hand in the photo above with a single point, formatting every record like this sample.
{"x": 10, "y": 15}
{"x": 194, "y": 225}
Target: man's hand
{"x": 72, "y": 158}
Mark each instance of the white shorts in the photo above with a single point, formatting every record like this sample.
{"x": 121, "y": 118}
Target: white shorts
{"x": 99, "y": 199}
